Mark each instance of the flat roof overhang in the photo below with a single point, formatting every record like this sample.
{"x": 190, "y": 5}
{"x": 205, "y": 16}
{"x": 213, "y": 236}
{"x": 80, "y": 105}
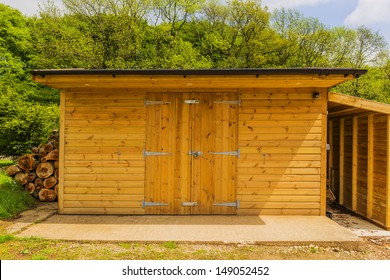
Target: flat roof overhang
{"x": 196, "y": 78}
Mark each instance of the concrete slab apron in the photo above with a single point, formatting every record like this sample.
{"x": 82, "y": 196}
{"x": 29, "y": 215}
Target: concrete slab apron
{"x": 228, "y": 229}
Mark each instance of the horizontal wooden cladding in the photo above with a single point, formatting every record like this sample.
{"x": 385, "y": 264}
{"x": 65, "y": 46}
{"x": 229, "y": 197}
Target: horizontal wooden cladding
{"x": 251, "y": 109}
{"x": 279, "y": 177}
{"x": 280, "y": 117}
{"x": 105, "y": 157}
{"x": 102, "y": 203}
{"x": 111, "y": 111}
{"x": 277, "y": 185}
{"x": 104, "y": 123}
{"x": 279, "y": 205}
{"x": 278, "y": 211}
{"x": 279, "y": 164}
{"x": 103, "y": 170}
{"x": 280, "y": 150}
{"x": 281, "y": 143}
{"x": 191, "y": 81}
{"x": 302, "y": 192}
{"x": 104, "y": 177}
{"x": 105, "y": 210}
{"x": 99, "y": 198}
{"x": 277, "y": 171}
{"x": 104, "y": 143}
{"x": 104, "y": 150}
{"x": 129, "y": 103}
{"x": 106, "y": 191}
{"x": 107, "y": 163}
{"x": 278, "y": 198}
{"x": 281, "y": 123}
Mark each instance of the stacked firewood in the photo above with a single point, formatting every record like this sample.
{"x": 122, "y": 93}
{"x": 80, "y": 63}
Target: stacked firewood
{"x": 38, "y": 171}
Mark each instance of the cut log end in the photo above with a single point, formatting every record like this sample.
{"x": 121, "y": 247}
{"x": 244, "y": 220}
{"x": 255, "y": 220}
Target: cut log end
{"x": 12, "y": 170}
{"x": 50, "y": 182}
{"x": 26, "y": 162}
{"x": 45, "y": 170}
{"x": 30, "y": 187}
{"x": 47, "y": 195}
{"x": 21, "y": 178}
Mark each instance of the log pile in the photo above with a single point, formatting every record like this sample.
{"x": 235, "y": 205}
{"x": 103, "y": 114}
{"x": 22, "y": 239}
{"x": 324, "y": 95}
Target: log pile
{"x": 38, "y": 171}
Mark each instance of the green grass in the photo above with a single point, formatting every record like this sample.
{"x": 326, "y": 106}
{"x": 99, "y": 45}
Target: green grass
{"x": 13, "y": 198}
{"x": 6, "y": 162}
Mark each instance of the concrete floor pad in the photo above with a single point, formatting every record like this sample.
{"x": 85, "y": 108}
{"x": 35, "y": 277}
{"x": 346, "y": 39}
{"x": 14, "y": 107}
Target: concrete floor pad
{"x": 223, "y": 229}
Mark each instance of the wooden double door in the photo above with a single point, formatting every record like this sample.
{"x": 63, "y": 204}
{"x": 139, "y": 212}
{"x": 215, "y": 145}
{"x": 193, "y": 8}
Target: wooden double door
{"x": 191, "y": 153}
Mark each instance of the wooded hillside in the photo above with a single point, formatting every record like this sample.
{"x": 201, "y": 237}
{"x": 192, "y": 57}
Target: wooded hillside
{"x": 152, "y": 34}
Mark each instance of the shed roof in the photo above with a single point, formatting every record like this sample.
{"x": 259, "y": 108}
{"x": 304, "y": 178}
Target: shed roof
{"x": 195, "y": 78}
{"x": 342, "y": 104}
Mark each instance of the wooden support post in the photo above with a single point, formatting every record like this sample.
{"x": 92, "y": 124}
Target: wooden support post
{"x": 370, "y": 165}
{"x": 341, "y": 183}
{"x": 330, "y": 155}
{"x": 323, "y": 152}
{"x": 388, "y": 174}
{"x": 61, "y": 160}
{"x": 354, "y": 162}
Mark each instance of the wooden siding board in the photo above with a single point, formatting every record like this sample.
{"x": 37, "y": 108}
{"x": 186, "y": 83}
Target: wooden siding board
{"x": 103, "y": 144}
{"x": 379, "y": 169}
{"x": 281, "y": 141}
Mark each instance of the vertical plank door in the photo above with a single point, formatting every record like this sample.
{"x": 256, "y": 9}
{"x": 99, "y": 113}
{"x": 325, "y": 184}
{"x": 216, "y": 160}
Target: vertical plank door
{"x": 214, "y": 135}
{"x": 190, "y": 161}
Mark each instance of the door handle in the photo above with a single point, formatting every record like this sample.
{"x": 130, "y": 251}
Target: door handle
{"x": 196, "y": 154}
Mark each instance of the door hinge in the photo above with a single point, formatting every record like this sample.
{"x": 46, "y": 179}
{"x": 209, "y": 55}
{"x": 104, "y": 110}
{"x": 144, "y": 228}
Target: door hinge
{"x": 147, "y": 154}
{"x": 231, "y": 102}
{"x": 232, "y": 153}
{"x": 189, "y": 204}
{"x": 229, "y": 204}
{"x": 148, "y": 203}
{"x": 152, "y": 102}
{"x": 191, "y": 101}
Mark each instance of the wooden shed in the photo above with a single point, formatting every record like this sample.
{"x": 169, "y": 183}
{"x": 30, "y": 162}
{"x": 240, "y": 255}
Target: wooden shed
{"x": 359, "y": 156}
{"x": 215, "y": 141}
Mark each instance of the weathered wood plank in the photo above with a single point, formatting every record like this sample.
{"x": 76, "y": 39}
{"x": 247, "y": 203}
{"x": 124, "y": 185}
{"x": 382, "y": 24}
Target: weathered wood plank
{"x": 286, "y": 212}
{"x": 279, "y": 184}
{"x": 106, "y": 210}
{"x": 276, "y": 171}
{"x": 342, "y": 159}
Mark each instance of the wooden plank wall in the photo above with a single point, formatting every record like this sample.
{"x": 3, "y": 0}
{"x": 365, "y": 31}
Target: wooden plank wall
{"x": 362, "y": 169}
{"x": 280, "y": 139}
{"x": 103, "y": 144}
{"x": 379, "y": 172}
{"x": 362, "y": 165}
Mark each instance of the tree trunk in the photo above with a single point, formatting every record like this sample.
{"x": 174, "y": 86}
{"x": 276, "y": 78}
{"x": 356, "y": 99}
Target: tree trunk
{"x": 53, "y": 155}
{"x": 45, "y": 170}
{"x": 21, "y": 178}
{"x": 26, "y": 162}
{"x": 47, "y": 195}
{"x": 30, "y": 187}
{"x": 12, "y": 170}
{"x": 50, "y": 182}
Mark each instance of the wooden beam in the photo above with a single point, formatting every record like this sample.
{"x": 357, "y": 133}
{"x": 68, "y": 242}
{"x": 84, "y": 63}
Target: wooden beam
{"x": 61, "y": 154}
{"x": 388, "y": 174}
{"x": 191, "y": 81}
{"x": 354, "y": 161}
{"x": 370, "y": 165}
{"x": 323, "y": 152}
{"x": 341, "y": 176}
{"x": 359, "y": 102}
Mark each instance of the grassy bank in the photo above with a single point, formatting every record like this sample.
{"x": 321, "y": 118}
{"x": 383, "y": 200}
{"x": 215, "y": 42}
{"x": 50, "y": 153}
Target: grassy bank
{"x": 13, "y": 198}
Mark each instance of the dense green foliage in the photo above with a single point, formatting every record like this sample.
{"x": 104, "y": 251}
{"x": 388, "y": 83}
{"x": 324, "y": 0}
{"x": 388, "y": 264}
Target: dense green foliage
{"x": 13, "y": 198}
{"x": 150, "y": 34}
